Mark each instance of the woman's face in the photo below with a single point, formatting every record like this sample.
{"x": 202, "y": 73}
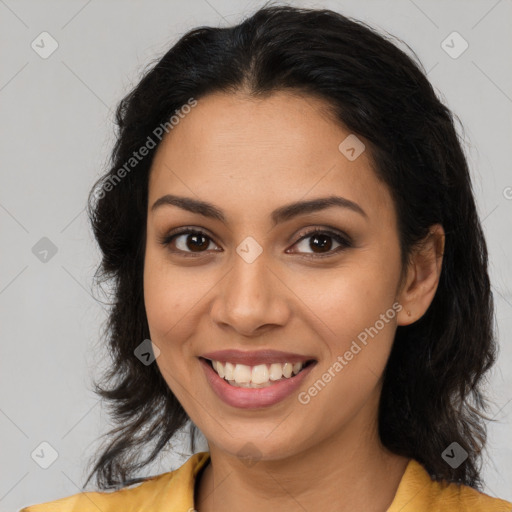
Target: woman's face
{"x": 261, "y": 280}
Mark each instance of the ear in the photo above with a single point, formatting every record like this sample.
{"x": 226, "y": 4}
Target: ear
{"x": 422, "y": 278}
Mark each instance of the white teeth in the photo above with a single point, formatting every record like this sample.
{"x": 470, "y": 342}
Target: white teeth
{"x": 242, "y": 373}
{"x": 276, "y": 371}
{"x": 287, "y": 369}
{"x": 261, "y": 375}
{"x": 229, "y": 371}
{"x": 249, "y": 384}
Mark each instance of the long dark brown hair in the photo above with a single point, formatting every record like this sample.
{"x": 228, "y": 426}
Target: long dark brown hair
{"x": 431, "y": 394}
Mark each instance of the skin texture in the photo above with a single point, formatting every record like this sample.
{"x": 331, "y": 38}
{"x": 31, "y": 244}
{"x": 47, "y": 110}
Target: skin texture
{"x": 288, "y": 299}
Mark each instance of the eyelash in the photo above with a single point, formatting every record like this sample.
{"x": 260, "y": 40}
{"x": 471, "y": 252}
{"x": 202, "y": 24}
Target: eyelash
{"x": 344, "y": 241}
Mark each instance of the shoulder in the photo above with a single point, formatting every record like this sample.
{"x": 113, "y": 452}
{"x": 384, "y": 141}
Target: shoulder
{"x": 169, "y": 491}
{"x": 419, "y": 493}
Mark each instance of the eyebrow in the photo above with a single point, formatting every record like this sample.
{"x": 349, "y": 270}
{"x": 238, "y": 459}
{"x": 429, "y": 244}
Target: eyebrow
{"x": 284, "y": 213}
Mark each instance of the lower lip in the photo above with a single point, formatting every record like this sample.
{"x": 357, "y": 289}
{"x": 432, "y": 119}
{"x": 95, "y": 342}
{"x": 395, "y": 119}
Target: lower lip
{"x": 252, "y": 398}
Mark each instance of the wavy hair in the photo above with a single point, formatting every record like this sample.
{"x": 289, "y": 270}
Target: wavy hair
{"x": 431, "y": 394}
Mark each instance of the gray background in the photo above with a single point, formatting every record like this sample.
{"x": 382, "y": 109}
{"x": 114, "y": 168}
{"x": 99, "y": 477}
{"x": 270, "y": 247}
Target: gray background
{"x": 56, "y": 133}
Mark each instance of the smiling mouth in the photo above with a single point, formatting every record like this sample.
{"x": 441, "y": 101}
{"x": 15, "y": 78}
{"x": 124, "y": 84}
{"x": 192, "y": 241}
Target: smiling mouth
{"x": 259, "y": 376}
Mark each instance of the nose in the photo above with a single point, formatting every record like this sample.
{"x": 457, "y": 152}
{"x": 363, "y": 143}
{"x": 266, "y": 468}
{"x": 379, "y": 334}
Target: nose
{"x": 251, "y": 299}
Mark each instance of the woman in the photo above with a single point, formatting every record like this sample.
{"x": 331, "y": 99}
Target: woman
{"x": 289, "y": 219}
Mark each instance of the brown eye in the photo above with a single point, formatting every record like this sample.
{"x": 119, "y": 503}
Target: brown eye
{"x": 320, "y": 242}
{"x": 195, "y": 242}
{"x": 188, "y": 241}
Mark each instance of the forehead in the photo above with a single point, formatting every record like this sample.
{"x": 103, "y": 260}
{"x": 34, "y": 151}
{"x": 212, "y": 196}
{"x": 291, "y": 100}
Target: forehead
{"x": 267, "y": 150}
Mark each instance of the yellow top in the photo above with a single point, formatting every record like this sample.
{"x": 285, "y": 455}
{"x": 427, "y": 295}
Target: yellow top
{"x": 174, "y": 492}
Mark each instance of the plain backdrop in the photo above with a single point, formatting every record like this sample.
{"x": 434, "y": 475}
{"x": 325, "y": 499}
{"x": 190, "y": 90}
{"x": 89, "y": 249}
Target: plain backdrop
{"x": 56, "y": 133}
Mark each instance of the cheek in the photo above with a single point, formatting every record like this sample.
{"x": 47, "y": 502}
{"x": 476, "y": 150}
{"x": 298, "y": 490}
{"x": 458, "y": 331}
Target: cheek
{"x": 357, "y": 351}
{"x": 170, "y": 293}
{"x": 167, "y": 302}
{"x": 174, "y": 298}
{"x": 159, "y": 296}
{"x": 349, "y": 298}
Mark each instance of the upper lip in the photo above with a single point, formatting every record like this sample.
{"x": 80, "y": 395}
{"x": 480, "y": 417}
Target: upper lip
{"x": 253, "y": 358}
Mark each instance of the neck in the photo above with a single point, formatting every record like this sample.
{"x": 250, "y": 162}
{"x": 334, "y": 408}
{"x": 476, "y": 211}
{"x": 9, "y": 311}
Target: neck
{"x": 349, "y": 471}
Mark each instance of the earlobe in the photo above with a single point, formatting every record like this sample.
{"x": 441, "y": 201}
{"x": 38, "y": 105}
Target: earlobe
{"x": 423, "y": 276}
